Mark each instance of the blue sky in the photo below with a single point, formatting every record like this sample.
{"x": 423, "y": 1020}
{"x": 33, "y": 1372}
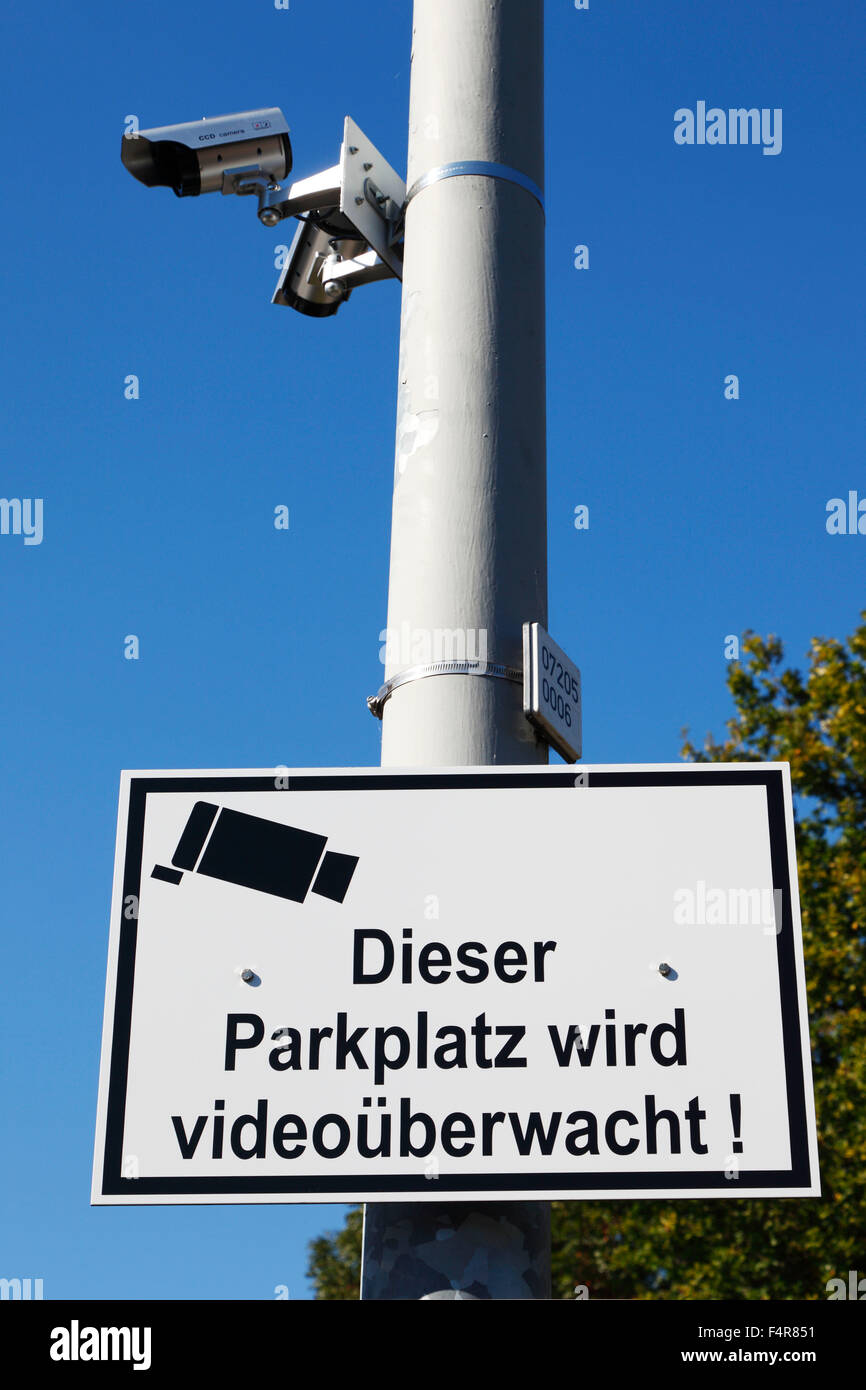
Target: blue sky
{"x": 257, "y": 646}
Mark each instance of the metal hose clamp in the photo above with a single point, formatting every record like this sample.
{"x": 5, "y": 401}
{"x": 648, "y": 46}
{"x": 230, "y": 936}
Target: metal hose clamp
{"x": 376, "y": 703}
{"x": 476, "y": 166}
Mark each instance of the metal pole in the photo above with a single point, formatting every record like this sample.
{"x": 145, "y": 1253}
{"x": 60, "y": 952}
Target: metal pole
{"x": 469, "y": 532}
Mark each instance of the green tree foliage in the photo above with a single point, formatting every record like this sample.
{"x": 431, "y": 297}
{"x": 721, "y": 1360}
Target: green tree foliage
{"x": 754, "y": 1249}
{"x": 335, "y": 1259}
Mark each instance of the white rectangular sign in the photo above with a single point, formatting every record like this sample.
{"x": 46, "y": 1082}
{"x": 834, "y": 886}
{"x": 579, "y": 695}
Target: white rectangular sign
{"x": 374, "y": 985}
{"x": 551, "y": 692}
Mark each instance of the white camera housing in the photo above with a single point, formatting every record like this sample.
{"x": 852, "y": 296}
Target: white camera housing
{"x": 195, "y": 157}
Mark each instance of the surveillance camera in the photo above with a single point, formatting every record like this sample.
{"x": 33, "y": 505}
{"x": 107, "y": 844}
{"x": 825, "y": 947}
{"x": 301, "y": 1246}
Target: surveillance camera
{"x": 195, "y": 158}
{"x": 256, "y": 853}
{"x": 351, "y": 222}
{"x": 317, "y": 242}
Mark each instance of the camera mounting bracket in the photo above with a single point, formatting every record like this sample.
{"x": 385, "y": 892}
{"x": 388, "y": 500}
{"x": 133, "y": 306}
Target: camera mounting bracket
{"x": 363, "y": 186}
{"x": 372, "y": 196}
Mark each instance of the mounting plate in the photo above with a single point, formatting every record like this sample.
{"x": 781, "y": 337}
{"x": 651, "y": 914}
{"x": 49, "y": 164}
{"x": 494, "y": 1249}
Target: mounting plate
{"x": 363, "y": 168}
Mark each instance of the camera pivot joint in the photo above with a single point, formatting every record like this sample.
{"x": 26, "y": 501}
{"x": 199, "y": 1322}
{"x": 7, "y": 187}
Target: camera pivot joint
{"x": 354, "y": 213}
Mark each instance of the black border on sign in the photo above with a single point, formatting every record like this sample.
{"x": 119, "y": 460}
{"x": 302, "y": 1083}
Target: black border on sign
{"x": 797, "y": 1176}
